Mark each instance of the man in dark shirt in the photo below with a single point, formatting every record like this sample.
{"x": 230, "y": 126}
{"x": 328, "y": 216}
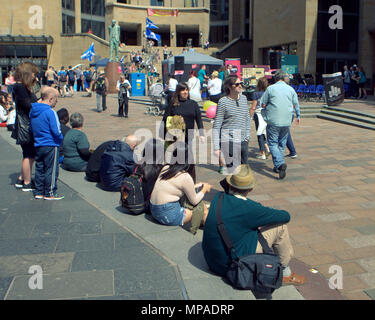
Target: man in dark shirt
{"x": 93, "y": 166}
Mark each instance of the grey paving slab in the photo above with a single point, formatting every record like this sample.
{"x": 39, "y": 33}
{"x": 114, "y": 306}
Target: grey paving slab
{"x": 170, "y": 295}
{"x": 370, "y": 293}
{"x": 368, "y": 278}
{"x": 154, "y": 279}
{"x": 368, "y": 264}
{"x": 13, "y": 230}
{"x": 77, "y": 243}
{"x": 332, "y": 217}
{"x": 86, "y": 215}
{"x": 141, "y": 258}
{"x": 3, "y": 215}
{"x": 64, "y": 285}
{"x": 59, "y": 229}
{"x": 11, "y": 247}
{"x": 125, "y": 240}
{"x": 134, "y": 296}
{"x": 361, "y": 241}
{"x": 4, "y": 286}
{"x": 50, "y": 263}
{"x": 366, "y": 230}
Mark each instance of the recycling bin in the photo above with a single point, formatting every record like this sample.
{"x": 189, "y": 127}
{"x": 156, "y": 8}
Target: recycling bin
{"x": 138, "y": 83}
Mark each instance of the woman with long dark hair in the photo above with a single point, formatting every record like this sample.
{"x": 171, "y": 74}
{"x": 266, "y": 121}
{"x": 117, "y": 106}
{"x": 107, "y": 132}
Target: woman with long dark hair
{"x": 260, "y": 124}
{"x": 25, "y": 78}
{"x": 173, "y": 183}
{"x": 182, "y": 105}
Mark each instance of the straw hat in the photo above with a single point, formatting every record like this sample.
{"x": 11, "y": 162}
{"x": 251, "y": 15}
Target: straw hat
{"x": 243, "y": 178}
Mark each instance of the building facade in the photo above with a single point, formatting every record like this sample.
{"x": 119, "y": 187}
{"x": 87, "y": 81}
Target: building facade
{"x": 57, "y": 32}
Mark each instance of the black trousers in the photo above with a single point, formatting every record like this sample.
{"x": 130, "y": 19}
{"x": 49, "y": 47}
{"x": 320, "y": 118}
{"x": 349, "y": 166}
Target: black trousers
{"x": 123, "y": 105}
{"x": 79, "y": 85}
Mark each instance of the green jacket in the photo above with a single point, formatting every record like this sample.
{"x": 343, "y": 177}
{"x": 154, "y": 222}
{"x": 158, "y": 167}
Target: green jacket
{"x": 242, "y": 219}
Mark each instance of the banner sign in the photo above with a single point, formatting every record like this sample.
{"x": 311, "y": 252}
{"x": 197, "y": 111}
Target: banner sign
{"x": 236, "y": 66}
{"x": 334, "y": 88}
{"x": 252, "y": 74}
{"x": 161, "y": 13}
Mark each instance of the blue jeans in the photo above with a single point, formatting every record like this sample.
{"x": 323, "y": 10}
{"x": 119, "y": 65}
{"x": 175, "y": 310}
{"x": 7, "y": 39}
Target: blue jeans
{"x": 290, "y": 145}
{"x": 277, "y": 138}
{"x": 169, "y": 214}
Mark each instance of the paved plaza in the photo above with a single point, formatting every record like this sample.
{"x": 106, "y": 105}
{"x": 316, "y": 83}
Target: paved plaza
{"x": 329, "y": 192}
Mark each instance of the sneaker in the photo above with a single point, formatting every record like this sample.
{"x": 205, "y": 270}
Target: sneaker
{"x": 294, "y": 156}
{"x": 19, "y": 184}
{"x": 282, "y": 171}
{"x": 38, "y": 196}
{"x": 262, "y": 157}
{"x": 54, "y": 197}
{"x": 28, "y": 187}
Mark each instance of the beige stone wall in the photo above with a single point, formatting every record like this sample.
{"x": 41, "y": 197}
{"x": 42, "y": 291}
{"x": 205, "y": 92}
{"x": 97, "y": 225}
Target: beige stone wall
{"x": 366, "y": 56}
{"x": 15, "y": 19}
{"x": 283, "y": 22}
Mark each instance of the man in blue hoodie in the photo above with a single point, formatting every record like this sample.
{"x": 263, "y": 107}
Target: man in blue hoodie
{"x": 45, "y": 126}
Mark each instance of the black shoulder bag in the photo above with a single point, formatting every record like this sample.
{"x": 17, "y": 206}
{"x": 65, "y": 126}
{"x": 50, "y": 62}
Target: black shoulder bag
{"x": 260, "y": 272}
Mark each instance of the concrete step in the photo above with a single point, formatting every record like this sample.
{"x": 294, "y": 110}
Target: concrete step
{"x": 359, "y": 117}
{"x": 342, "y": 120}
{"x": 355, "y": 112}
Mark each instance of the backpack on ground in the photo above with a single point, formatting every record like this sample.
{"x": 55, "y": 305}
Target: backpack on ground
{"x": 100, "y": 85}
{"x": 132, "y": 198}
{"x": 71, "y": 75}
{"x": 63, "y": 76}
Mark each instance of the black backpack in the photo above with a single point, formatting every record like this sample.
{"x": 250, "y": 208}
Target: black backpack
{"x": 132, "y": 199}
{"x": 63, "y": 76}
{"x": 71, "y": 75}
{"x": 100, "y": 85}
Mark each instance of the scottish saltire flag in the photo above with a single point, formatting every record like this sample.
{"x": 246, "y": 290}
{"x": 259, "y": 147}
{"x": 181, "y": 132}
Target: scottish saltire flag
{"x": 89, "y": 53}
{"x": 150, "y": 24}
{"x": 151, "y": 35}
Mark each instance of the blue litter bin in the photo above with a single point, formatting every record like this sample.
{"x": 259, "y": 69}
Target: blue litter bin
{"x": 138, "y": 83}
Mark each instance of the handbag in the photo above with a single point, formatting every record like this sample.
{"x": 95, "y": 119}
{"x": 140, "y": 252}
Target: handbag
{"x": 260, "y": 272}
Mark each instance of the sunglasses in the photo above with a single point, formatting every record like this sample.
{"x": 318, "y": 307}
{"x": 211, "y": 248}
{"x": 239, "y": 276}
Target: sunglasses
{"x": 238, "y": 84}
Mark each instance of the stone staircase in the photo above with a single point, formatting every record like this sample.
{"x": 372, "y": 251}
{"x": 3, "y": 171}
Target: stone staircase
{"x": 349, "y": 117}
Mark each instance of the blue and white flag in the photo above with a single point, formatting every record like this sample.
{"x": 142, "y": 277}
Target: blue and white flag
{"x": 150, "y": 24}
{"x": 89, "y": 53}
{"x": 151, "y": 35}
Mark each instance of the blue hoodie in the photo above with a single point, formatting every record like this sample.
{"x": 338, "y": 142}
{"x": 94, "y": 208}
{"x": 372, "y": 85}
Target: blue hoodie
{"x": 45, "y": 126}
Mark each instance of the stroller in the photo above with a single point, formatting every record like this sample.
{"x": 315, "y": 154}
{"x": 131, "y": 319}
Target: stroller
{"x": 158, "y": 99}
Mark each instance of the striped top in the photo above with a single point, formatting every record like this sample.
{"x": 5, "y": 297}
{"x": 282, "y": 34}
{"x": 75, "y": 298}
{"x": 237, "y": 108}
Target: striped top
{"x": 232, "y": 121}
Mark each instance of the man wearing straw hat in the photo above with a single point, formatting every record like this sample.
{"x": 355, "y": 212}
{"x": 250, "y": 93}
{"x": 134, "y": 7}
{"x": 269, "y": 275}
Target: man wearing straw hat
{"x": 244, "y": 219}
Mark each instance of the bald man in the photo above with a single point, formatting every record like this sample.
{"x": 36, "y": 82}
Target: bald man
{"x": 45, "y": 126}
{"x": 118, "y": 162}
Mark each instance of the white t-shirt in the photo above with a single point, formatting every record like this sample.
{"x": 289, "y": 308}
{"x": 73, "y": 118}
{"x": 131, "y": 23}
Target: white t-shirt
{"x": 214, "y": 86}
{"x": 127, "y": 82}
{"x": 172, "y": 84}
{"x": 195, "y": 89}
{"x": 3, "y": 114}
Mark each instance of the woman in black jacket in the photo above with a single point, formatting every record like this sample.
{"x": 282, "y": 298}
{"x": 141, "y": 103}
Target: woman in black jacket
{"x": 182, "y": 105}
{"x": 25, "y": 78}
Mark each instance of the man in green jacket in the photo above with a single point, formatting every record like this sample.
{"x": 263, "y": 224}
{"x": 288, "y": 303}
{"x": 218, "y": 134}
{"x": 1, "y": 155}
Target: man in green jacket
{"x": 242, "y": 218}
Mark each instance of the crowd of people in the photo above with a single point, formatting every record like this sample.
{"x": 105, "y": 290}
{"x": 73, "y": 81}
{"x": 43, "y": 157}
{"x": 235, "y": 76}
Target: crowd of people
{"x": 355, "y": 81}
{"x": 169, "y": 187}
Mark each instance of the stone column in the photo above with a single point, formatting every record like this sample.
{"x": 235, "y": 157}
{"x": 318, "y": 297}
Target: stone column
{"x": 78, "y": 16}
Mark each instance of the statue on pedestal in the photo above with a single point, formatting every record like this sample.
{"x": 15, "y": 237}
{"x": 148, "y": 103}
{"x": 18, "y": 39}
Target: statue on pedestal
{"x": 114, "y": 40}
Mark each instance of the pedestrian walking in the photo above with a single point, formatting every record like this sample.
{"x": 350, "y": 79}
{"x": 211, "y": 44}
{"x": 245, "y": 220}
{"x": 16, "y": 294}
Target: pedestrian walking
{"x": 231, "y": 128}
{"x": 278, "y": 103}
{"x": 101, "y": 86}
{"x": 123, "y": 87}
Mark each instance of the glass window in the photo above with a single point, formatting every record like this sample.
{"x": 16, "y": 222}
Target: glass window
{"x": 39, "y": 51}
{"x": 68, "y": 4}
{"x": 7, "y": 51}
{"x": 23, "y": 51}
{"x": 68, "y": 24}
{"x": 96, "y": 27}
{"x": 86, "y": 6}
{"x": 157, "y": 3}
{"x": 97, "y": 7}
